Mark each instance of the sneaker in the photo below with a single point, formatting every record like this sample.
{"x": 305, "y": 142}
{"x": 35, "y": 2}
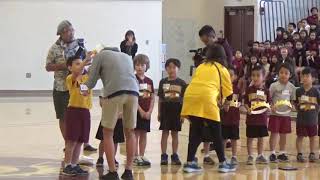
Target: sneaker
{"x": 69, "y": 171}
{"x": 89, "y": 148}
{"x": 250, "y": 160}
{"x": 117, "y": 163}
{"x": 234, "y": 161}
{"x": 312, "y": 158}
{"x": 175, "y": 159}
{"x": 99, "y": 162}
{"x": 273, "y": 158}
{"x": 144, "y": 162}
{"x": 192, "y": 167}
{"x": 283, "y": 158}
{"x": 137, "y": 161}
{"x": 300, "y": 158}
{"x": 80, "y": 171}
{"x": 208, "y": 161}
{"x": 127, "y": 175}
{"x": 225, "y": 167}
{"x": 164, "y": 159}
{"x": 110, "y": 176}
{"x": 261, "y": 160}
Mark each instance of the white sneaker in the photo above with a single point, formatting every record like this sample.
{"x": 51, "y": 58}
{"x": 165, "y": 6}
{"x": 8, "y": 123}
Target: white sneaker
{"x": 86, "y": 160}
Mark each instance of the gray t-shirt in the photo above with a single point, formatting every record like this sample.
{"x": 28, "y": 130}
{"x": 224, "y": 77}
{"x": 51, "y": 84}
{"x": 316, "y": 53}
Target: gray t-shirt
{"x": 280, "y": 91}
{"x": 115, "y": 69}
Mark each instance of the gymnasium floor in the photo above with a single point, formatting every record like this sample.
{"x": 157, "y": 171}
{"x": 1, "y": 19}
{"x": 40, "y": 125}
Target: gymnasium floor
{"x": 31, "y": 149}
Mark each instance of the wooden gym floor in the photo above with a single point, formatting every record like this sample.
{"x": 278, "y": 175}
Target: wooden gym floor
{"x": 31, "y": 148}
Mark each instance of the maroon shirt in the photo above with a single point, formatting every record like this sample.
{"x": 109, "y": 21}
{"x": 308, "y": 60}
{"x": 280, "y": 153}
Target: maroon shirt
{"x": 256, "y": 119}
{"x": 232, "y": 117}
{"x": 146, "y": 91}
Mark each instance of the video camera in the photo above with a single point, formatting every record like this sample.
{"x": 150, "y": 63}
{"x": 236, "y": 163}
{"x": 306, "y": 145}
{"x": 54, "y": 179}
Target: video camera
{"x": 198, "y": 57}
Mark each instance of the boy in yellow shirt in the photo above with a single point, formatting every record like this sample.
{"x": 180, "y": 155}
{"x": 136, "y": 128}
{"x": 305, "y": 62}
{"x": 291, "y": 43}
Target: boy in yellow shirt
{"x": 77, "y": 116}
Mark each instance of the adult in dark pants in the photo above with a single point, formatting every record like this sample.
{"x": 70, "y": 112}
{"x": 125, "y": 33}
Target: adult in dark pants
{"x": 129, "y": 45}
{"x": 66, "y": 46}
{"x": 210, "y": 82}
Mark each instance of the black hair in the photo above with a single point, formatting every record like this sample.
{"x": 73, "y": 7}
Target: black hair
{"x": 207, "y": 30}
{"x": 256, "y": 42}
{"x": 313, "y": 31}
{"x": 71, "y": 59}
{"x": 216, "y": 53}
{"x": 267, "y": 41}
{"x": 286, "y": 66}
{"x": 304, "y": 31}
{"x": 314, "y": 8}
{"x": 128, "y": 33}
{"x": 280, "y": 29}
{"x": 293, "y": 24}
{"x": 307, "y": 71}
{"x": 296, "y": 33}
{"x": 174, "y": 61}
{"x": 258, "y": 68}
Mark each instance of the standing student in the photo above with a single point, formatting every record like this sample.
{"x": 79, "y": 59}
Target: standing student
{"x": 308, "y": 99}
{"x": 77, "y": 117}
{"x": 231, "y": 117}
{"x": 280, "y": 124}
{"x": 145, "y": 108}
{"x": 118, "y": 136}
{"x": 171, "y": 90}
{"x": 129, "y": 45}
{"x": 210, "y": 82}
{"x": 256, "y": 123}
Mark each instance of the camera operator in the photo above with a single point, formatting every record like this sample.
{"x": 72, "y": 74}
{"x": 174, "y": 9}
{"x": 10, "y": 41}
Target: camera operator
{"x": 208, "y": 36}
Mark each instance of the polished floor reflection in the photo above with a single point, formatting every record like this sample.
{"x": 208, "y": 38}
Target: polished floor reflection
{"x": 31, "y": 148}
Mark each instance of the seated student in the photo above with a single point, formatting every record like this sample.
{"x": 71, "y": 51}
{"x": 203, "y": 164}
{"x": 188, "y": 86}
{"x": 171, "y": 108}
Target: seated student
{"x": 262, "y": 47}
{"x": 296, "y": 37}
{"x": 256, "y": 123}
{"x": 286, "y": 37}
{"x": 238, "y": 62}
{"x": 279, "y": 33}
{"x": 253, "y": 62}
{"x": 265, "y": 64}
{"x": 291, "y": 28}
{"x": 254, "y": 51}
{"x": 273, "y": 74}
{"x": 314, "y": 18}
{"x": 304, "y": 36}
{"x": 305, "y": 26}
{"x": 307, "y": 100}
{"x": 118, "y": 136}
{"x": 313, "y": 42}
{"x": 299, "y": 55}
{"x": 284, "y": 58}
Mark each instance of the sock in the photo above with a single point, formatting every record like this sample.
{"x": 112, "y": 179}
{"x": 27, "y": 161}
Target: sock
{"x": 282, "y": 152}
{"x": 73, "y": 165}
{"x": 234, "y": 157}
{"x": 273, "y": 152}
{"x": 207, "y": 155}
{"x": 259, "y": 155}
{"x": 67, "y": 164}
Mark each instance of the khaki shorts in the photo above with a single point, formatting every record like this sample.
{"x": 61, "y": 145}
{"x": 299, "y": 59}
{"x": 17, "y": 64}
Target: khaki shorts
{"x": 125, "y": 103}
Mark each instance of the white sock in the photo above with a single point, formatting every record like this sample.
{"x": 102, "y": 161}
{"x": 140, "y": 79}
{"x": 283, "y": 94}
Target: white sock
{"x": 282, "y": 152}
{"x": 273, "y": 152}
{"x": 67, "y": 164}
{"x": 259, "y": 155}
{"x": 234, "y": 157}
{"x": 207, "y": 155}
{"x": 73, "y": 165}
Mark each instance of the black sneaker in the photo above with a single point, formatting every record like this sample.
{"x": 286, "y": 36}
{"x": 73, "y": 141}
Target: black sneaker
{"x": 99, "y": 162}
{"x": 175, "y": 159}
{"x": 127, "y": 175}
{"x": 80, "y": 171}
{"x": 110, "y": 176}
{"x": 164, "y": 159}
{"x": 273, "y": 158}
{"x": 69, "y": 171}
{"x": 89, "y": 148}
{"x": 283, "y": 158}
{"x": 300, "y": 158}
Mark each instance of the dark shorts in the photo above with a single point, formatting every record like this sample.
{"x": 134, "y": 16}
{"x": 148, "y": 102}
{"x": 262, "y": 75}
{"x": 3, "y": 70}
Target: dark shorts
{"x": 307, "y": 130}
{"x": 77, "y": 121}
{"x": 256, "y": 131}
{"x": 118, "y": 135}
{"x": 60, "y": 101}
{"x": 142, "y": 124}
{"x": 279, "y": 124}
{"x": 230, "y": 132}
{"x": 170, "y": 117}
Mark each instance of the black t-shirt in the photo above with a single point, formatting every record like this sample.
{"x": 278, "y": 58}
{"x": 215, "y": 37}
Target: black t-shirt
{"x": 171, "y": 90}
{"x": 307, "y": 106}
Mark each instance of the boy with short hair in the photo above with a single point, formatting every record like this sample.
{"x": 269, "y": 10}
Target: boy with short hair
{"x": 256, "y": 122}
{"x": 77, "y": 117}
{"x": 308, "y": 99}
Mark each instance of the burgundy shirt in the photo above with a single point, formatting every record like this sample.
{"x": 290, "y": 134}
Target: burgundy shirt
{"x": 256, "y": 119}
{"x": 145, "y": 92}
{"x": 232, "y": 117}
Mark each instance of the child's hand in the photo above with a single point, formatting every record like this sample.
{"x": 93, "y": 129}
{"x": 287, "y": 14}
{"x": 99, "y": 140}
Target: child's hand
{"x": 142, "y": 113}
{"x": 273, "y": 109}
{"x": 249, "y": 111}
{"x": 147, "y": 115}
